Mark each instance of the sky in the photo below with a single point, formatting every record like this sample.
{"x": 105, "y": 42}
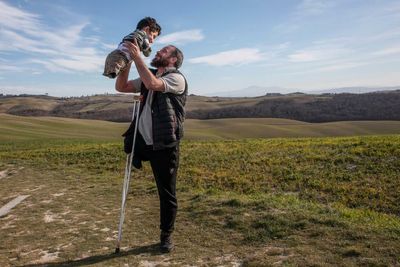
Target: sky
{"x": 58, "y": 47}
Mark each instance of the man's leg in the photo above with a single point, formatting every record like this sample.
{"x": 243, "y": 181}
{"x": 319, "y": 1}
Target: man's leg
{"x": 165, "y": 164}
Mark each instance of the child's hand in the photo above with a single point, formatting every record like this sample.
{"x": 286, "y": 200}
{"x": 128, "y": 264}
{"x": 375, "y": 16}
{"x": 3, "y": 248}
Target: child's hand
{"x": 133, "y": 49}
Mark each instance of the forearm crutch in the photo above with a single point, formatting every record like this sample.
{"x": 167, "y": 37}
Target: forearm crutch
{"x": 128, "y": 169}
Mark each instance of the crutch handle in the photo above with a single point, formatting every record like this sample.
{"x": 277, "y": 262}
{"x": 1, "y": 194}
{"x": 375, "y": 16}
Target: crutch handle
{"x": 136, "y": 97}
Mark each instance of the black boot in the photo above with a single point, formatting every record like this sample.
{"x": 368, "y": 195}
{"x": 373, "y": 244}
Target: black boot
{"x": 166, "y": 244}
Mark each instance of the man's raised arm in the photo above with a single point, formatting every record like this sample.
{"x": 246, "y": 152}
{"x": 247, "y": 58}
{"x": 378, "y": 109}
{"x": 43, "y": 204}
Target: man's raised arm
{"x": 122, "y": 84}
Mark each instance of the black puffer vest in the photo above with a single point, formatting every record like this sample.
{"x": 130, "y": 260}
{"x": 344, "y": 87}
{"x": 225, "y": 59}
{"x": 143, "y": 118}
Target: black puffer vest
{"x": 168, "y": 115}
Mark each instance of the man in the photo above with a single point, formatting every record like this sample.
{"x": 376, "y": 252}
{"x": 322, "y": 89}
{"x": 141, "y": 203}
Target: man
{"x": 160, "y": 127}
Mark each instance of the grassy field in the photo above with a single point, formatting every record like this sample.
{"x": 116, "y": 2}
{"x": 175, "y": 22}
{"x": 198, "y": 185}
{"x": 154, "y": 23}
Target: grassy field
{"x": 17, "y": 128}
{"x": 272, "y": 128}
{"x": 331, "y": 201}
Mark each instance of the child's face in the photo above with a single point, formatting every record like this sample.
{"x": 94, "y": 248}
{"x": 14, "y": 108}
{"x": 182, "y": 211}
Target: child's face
{"x": 151, "y": 35}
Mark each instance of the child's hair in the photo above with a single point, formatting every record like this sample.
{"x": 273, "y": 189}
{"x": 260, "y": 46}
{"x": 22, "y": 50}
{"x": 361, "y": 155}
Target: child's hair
{"x": 152, "y": 23}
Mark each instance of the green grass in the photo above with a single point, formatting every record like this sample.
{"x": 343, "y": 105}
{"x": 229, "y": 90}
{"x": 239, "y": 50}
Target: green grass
{"x": 356, "y": 171}
{"x": 17, "y": 128}
{"x": 274, "y": 128}
{"x": 329, "y": 201}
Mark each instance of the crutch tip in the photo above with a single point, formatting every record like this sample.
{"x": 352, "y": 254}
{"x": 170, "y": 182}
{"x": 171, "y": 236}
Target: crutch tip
{"x": 116, "y": 250}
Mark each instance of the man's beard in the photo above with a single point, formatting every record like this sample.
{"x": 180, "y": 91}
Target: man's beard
{"x": 159, "y": 62}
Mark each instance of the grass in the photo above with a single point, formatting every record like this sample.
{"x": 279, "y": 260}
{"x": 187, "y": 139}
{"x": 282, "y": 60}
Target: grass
{"x": 357, "y": 171}
{"x": 254, "y": 202}
{"x": 31, "y": 102}
{"x": 274, "y": 128}
{"x": 306, "y": 232}
{"x": 321, "y": 201}
{"x": 17, "y": 128}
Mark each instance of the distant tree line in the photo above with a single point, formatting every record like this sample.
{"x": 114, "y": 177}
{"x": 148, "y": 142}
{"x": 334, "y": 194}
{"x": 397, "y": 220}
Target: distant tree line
{"x": 303, "y": 107}
{"x": 72, "y": 108}
{"x": 335, "y": 107}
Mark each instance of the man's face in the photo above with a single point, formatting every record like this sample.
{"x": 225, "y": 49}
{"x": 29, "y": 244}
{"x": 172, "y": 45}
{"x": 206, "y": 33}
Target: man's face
{"x": 162, "y": 58}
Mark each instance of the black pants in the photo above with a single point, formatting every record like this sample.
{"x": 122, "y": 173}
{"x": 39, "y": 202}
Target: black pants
{"x": 164, "y": 164}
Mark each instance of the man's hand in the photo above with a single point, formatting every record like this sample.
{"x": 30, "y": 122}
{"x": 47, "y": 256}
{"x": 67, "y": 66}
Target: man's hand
{"x": 149, "y": 79}
{"x": 133, "y": 49}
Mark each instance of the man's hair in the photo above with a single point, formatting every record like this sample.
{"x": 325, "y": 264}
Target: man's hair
{"x": 152, "y": 23}
{"x": 179, "y": 56}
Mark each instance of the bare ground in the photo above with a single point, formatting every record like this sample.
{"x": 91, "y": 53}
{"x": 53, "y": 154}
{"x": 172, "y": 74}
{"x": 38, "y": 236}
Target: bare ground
{"x": 71, "y": 217}
{"x": 71, "y": 220}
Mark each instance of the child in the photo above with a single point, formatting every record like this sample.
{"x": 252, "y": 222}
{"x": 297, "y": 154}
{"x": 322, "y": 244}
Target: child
{"x": 146, "y": 31}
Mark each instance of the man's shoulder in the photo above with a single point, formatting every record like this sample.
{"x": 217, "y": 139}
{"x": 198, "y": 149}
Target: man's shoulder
{"x": 175, "y": 76}
{"x": 174, "y": 82}
{"x": 170, "y": 70}
{"x": 174, "y": 73}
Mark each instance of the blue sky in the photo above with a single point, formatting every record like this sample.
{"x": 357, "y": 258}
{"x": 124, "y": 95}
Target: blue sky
{"x": 58, "y": 46}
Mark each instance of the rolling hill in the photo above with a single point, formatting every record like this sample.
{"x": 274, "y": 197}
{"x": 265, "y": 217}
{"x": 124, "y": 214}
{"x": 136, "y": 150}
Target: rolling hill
{"x": 295, "y": 106}
{"x": 19, "y": 128}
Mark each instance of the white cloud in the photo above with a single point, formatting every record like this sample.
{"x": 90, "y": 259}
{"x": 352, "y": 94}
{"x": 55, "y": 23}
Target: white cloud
{"x": 22, "y": 43}
{"x": 14, "y": 18}
{"x": 314, "y": 7}
{"x": 50, "y": 66}
{"x": 358, "y": 63}
{"x": 341, "y": 66}
{"x": 79, "y": 63}
{"x": 9, "y": 68}
{"x": 62, "y": 49}
{"x": 109, "y": 46}
{"x": 388, "y": 51}
{"x": 181, "y": 37}
{"x": 304, "y": 56}
{"x": 305, "y": 11}
{"x": 319, "y": 53}
{"x": 232, "y": 57}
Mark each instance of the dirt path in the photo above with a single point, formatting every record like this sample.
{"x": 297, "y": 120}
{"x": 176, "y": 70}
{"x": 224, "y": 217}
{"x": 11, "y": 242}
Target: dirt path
{"x": 73, "y": 219}
{"x": 3, "y": 174}
{"x": 7, "y": 208}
